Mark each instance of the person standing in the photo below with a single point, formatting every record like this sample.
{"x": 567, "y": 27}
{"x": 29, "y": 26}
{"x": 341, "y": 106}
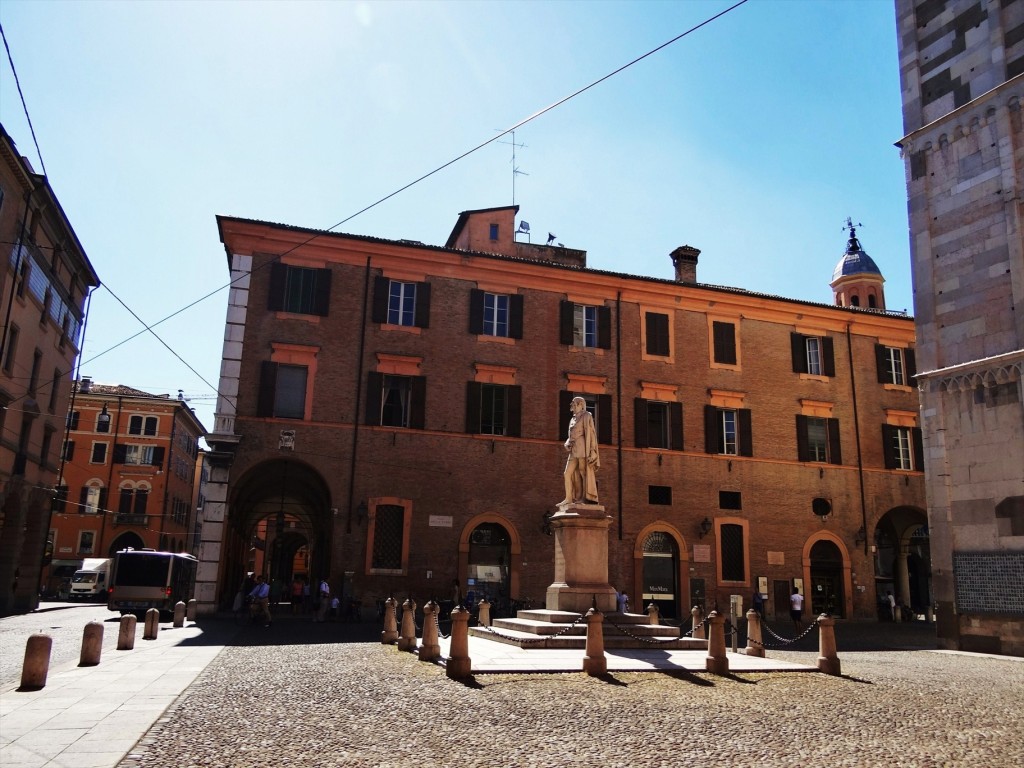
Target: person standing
{"x": 581, "y": 467}
{"x": 622, "y": 601}
{"x": 891, "y": 601}
{"x": 759, "y": 604}
{"x": 796, "y": 609}
{"x": 261, "y": 600}
{"x": 324, "y": 601}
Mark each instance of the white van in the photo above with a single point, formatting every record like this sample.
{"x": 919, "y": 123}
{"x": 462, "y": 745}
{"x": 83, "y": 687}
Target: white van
{"x": 90, "y": 581}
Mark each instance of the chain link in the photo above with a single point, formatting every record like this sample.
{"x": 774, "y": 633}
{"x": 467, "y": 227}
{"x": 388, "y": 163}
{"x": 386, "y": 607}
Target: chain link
{"x": 784, "y": 641}
{"x": 649, "y": 640}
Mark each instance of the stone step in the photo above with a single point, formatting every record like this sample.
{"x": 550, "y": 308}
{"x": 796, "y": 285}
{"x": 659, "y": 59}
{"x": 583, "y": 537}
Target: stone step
{"x": 573, "y": 640}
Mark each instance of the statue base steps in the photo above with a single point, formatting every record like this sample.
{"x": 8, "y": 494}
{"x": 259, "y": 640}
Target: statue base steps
{"x": 555, "y": 627}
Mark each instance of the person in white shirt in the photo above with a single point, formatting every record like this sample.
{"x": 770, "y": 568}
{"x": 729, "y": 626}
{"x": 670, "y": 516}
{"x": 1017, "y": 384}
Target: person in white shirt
{"x": 325, "y": 601}
{"x": 796, "y": 609}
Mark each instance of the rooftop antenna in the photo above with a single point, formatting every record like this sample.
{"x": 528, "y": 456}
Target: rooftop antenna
{"x": 515, "y": 168}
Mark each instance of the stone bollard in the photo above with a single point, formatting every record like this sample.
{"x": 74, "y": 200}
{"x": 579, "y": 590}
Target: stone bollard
{"x": 594, "y": 662}
{"x": 828, "y": 661}
{"x": 653, "y": 614}
{"x": 717, "y": 662}
{"x": 37, "y": 662}
{"x": 483, "y": 613}
{"x": 126, "y": 634}
{"x": 754, "y": 642}
{"x": 152, "y": 628}
{"x": 390, "y": 634}
{"x": 698, "y": 623}
{"x": 429, "y": 649}
{"x": 407, "y": 640}
{"x": 179, "y": 614}
{"x": 92, "y": 645}
{"x": 190, "y": 610}
{"x": 459, "y": 665}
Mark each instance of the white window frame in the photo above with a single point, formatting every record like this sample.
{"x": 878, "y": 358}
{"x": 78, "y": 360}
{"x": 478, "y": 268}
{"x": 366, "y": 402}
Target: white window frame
{"x": 496, "y": 307}
{"x": 894, "y": 366}
{"x": 902, "y": 448}
{"x": 92, "y": 544}
{"x": 728, "y": 431}
{"x": 584, "y": 325}
{"x": 817, "y": 451}
{"x": 402, "y": 303}
{"x": 813, "y": 347}
{"x": 138, "y": 454}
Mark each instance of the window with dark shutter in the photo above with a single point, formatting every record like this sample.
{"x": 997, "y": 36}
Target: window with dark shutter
{"x": 724, "y": 336}
{"x": 657, "y": 334}
{"x": 732, "y": 552}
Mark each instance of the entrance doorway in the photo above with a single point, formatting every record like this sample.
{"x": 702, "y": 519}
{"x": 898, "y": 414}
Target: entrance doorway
{"x": 660, "y": 573}
{"x": 487, "y": 575}
{"x": 781, "y": 591}
{"x": 826, "y": 579}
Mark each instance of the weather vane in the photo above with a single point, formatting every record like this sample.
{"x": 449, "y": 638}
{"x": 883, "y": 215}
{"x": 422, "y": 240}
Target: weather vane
{"x": 849, "y": 225}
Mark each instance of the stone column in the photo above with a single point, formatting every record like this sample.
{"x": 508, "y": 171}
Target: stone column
{"x": 92, "y": 645}
{"x": 717, "y": 662}
{"x": 407, "y": 640}
{"x": 459, "y": 664}
{"x": 652, "y": 615}
{"x": 36, "y": 665}
{"x": 483, "y": 613}
{"x": 828, "y": 660}
{"x": 698, "y": 622}
{"x": 430, "y": 649}
{"x": 126, "y": 633}
{"x": 594, "y": 662}
{"x": 754, "y": 642}
{"x": 390, "y": 634}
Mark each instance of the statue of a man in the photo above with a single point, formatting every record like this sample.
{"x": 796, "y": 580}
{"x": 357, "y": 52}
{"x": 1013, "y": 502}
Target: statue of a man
{"x": 581, "y": 467}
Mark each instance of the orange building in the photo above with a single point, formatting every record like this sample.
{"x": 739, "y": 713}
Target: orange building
{"x": 128, "y": 477}
{"x": 45, "y": 279}
{"x": 396, "y": 411}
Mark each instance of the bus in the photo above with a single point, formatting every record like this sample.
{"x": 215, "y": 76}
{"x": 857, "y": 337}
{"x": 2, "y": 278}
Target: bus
{"x": 144, "y": 578}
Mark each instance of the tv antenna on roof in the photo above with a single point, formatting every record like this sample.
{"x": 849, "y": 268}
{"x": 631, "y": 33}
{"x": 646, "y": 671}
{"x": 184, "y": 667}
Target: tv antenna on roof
{"x": 515, "y": 168}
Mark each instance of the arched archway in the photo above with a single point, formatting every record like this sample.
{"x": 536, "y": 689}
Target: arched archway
{"x": 902, "y": 563}
{"x": 490, "y": 552}
{"x": 826, "y": 568}
{"x": 659, "y": 572}
{"x": 126, "y": 540}
{"x": 280, "y": 521}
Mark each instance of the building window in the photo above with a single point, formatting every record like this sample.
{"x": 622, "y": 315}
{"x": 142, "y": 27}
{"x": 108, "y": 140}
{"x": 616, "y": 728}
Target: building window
{"x": 730, "y": 500}
{"x": 659, "y": 495}
{"x": 493, "y": 231}
{"x": 124, "y": 502}
{"x": 54, "y": 390}
{"x": 33, "y": 379}
{"x": 99, "y": 453}
{"x": 733, "y": 555}
{"x": 92, "y": 500}
{"x": 400, "y": 303}
{"x": 657, "y": 334}
{"x": 68, "y": 451}
{"x": 895, "y": 365}
{"x": 396, "y": 401}
{"x": 724, "y": 339}
{"x": 817, "y": 439}
{"x": 141, "y": 501}
{"x": 495, "y": 314}
{"x": 813, "y": 355}
{"x": 12, "y": 345}
{"x": 388, "y": 536}
{"x": 135, "y": 425}
{"x": 86, "y": 539}
{"x": 902, "y": 447}
{"x": 658, "y": 424}
{"x": 60, "y": 498}
{"x": 493, "y": 409}
{"x": 727, "y": 431}
{"x": 582, "y": 325}
{"x": 151, "y": 425}
{"x": 299, "y": 290}
{"x": 138, "y": 454}
{"x": 44, "y": 447}
{"x": 73, "y": 418}
{"x": 282, "y": 390}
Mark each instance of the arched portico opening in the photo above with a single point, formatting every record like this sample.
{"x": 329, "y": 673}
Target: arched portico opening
{"x": 126, "y": 540}
{"x": 902, "y": 563}
{"x": 490, "y": 552}
{"x": 659, "y": 568}
{"x": 826, "y": 568}
{"x": 280, "y": 525}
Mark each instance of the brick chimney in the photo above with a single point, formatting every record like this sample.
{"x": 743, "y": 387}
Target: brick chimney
{"x": 684, "y": 259}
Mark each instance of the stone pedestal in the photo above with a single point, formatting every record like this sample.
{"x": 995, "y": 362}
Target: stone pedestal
{"x": 581, "y": 560}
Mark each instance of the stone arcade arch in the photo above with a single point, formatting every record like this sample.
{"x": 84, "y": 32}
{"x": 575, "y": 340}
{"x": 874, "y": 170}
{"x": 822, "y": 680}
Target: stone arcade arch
{"x": 276, "y": 509}
{"x": 126, "y": 540}
{"x": 827, "y": 576}
{"x": 473, "y": 555}
{"x": 660, "y": 560}
{"x": 902, "y": 556}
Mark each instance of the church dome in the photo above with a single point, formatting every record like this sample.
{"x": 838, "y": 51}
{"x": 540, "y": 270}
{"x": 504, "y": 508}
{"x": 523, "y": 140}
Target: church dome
{"x": 855, "y": 261}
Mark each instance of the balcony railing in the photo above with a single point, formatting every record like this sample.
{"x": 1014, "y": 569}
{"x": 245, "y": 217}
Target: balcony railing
{"x": 120, "y": 519}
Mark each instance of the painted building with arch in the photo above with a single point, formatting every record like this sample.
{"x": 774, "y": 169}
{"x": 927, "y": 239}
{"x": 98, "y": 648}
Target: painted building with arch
{"x": 392, "y": 418}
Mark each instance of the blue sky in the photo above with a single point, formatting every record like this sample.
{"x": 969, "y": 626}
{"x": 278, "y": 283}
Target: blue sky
{"x": 752, "y": 139}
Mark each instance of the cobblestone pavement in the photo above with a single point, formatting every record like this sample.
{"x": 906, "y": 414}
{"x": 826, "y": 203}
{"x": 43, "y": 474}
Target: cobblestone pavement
{"x": 283, "y": 698}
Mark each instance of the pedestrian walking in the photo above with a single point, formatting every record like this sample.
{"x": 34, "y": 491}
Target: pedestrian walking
{"x": 261, "y": 600}
{"x": 796, "y": 609}
{"x": 892, "y": 606}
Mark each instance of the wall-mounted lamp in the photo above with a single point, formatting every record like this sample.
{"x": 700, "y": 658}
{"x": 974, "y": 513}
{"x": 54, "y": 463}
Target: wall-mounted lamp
{"x": 104, "y": 417}
{"x": 861, "y": 537}
{"x": 361, "y": 512}
{"x": 705, "y": 527}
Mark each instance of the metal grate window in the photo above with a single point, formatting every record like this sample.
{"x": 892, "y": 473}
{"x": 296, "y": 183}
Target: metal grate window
{"x": 731, "y": 542}
{"x": 387, "y": 537}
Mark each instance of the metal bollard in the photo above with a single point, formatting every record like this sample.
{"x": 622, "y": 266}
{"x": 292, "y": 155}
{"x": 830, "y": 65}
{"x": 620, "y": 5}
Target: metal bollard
{"x": 126, "y": 634}
{"x": 390, "y": 634}
{"x": 716, "y": 662}
{"x": 179, "y": 614}
{"x": 459, "y": 665}
{"x": 594, "y": 662}
{"x": 652, "y": 615}
{"x": 37, "y": 662}
{"x": 698, "y": 623}
{"x": 483, "y": 613}
{"x": 755, "y": 645}
{"x": 828, "y": 661}
{"x": 152, "y": 628}
{"x": 407, "y": 640}
{"x": 92, "y": 645}
{"x": 190, "y": 610}
{"x": 430, "y": 649}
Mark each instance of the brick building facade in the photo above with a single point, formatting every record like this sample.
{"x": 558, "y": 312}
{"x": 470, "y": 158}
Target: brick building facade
{"x": 399, "y": 409}
{"x": 961, "y": 65}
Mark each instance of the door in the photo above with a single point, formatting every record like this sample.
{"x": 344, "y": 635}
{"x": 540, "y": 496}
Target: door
{"x": 780, "y": 598}
{"x": 660, "y": 577}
